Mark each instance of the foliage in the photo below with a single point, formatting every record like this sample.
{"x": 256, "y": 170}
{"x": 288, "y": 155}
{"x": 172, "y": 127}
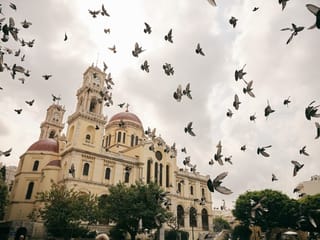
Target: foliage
{"x": 310, "y": 209}
{"x": 219, "y": 224}
{"x": 127, "y": 205}
{"x": 241, "y": 232}
{"x": 64, "y": 209}
{"x": 3, "y": 173}
{"x": 4, "y": 197}
{"x": 173, "y": 235}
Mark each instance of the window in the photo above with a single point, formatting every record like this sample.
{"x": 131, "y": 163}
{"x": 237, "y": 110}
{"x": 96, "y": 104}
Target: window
{"x": 179, "y": 188}
{"x": 137, "y": 140}
{"x": 85, "y": 171}
{"x": 52, "y": 134}
{"x": 119, "y": 137}
{"x": 193, "y": 217}
{"x": 107, "y": 173}
{"x": 93, "y": 105}
{"x": 180, "y": 216}
{"x": 203, "y": 193}
{"x": 204, "y": 218}
{"x": 132, "y": 140}
{"x": 191, "y": 190}
{"x": 167, "y": 176}
{"x": 124, "y": 137}
{"x": 156, "y": 172}
{"x": 88, "y": 138}
{"x": 126, "y": 177}
{"x": 29, "y": 190}
{"x": 148, "y": 171}
{"x": 160, "y": 177}
{"x": 109, "y": 140}
{"x": 35, "y": 165}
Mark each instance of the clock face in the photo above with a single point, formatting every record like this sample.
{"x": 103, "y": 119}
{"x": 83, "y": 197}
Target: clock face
{"x": 96, "y": 78}
{"x": 158, "y": 155}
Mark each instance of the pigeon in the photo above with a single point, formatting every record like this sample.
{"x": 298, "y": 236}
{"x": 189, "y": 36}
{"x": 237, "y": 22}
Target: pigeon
{"x": 218, "y": 156}
{"x": 113, "y": 49}
{"x": 46, "y": 76}
{"x": 303, "y": 151}
{"x": 212, "y": 2}
{"x": 297, "y": 167}
{"x": 105, "y": 67}
{"x": 137, "y": 50}
{"x": 286, "y": 101}
{"x": 168, "y": 37}
{"x": 121, "y": 124}
{"x": 256, "y": 207}
{"x": 23, "y": 57}
{"x": 104, "y": 11}
{"x": 283, "y": 3}
{"x": 145, "y": 66}
{"x": 108, "y": 80}
{"x": 211, "y": 162}
{"x": 268, "y": 110}
{"x": 239, "y": 74}
{"x": 318, "y": 130}
{"x": 147, "y": 28}
{"x": 233, "y": 21}
{"x": 121, "y": 105}
{"x": 199, "y": 50}
{"x": 216, "y": 184}
{"x": 13, "y": 6}
{"x": 274, "y": 178}
{"x": 255, "y": 9}
{"x": 106, "y": 30}
{"x": 6, "y": 153}
{"x": 184, "y": 150}
{"x": 228, "y": 159}
{"x": 187, "y": 91}
{"x": 65, "y": 37}
{"x": 94, "y": 13}
{"x": 229, "y": 113}
{"x": 311, "y": 111}
{"x": 262, "y": 150}
{"x": 22, "y": 80}
{"x": 243, "y": 148}
{"x": 30, "y": 103}
{"x": 97, "y": 127}
{"x": 168, "y": 69}
{"x": 294, "y": 31}
{"x": 186, "y": 161}
{"x": 177, "y": 95}
{"x": 236, "y": 102}
{"x": 188, "y": 129}
{"x": 298, "y": 188}
{"x": 316, "y": 11}
{"x": 55, "y": 98}
{"x": 253, "y": 117}
{"x": 248, "y": 89}
{"x": 72, "y": 170}
{"x": 18, "y": 111}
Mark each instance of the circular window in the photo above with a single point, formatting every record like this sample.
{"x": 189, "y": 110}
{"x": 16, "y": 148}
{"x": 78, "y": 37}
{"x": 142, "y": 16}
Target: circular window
{"x": 158, "y": 155}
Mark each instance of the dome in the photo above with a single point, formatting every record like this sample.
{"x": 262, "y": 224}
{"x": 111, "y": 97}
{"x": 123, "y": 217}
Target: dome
{"x": 50, "y": 145}
{"x": 126, "y": 116}
{"x": 55, "y": 163}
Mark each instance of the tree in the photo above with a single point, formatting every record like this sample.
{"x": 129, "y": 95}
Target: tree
{"x": 219, "y": 224}
{"x": 127, "y": 205}
{"x": 4, "y": 198}
{"x": 65, "y": 209}
{"x": 310, "y": 213}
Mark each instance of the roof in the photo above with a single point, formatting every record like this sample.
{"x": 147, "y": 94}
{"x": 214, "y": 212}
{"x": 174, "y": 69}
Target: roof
{"x": 49, "y": 145}
{"x": 126, "y": 116}
{"x": 55, "y": 163}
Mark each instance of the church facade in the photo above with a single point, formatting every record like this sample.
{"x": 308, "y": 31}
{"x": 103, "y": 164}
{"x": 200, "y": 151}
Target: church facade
{"x": 103, "y": 153}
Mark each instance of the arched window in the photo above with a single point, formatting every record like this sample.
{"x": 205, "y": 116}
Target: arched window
{"x": 29, "y": 190}
{"x": 204, "y": 219}
{"x": 156, "y": 172}
{"x": 191, "y": 190}
{"x": 179, "y": 188}
{"x": 160, "y": 177}
{"x": 52, "y": 134}
{"x": 107, "y": 173}
{"x": 180, "y": 216}
{"x": 193, "y": 217}
{"x": 119, "y": 137}
{"x": 93, "y": 105}
{"x": 35, "y": 165}
{"x": 126, "y": 177}
{"x": 124, "y": 137}
{"x": 109, "y": 140}
{"x": 85, "y": 171}
{"x": 132, "y": 140}
{"x": 203, "y": 193}
{"x": 148, "y": 171}
{"x": 137, "y": 140}
{"x": 167, "y": 176}
{"x": 88, "y": 138}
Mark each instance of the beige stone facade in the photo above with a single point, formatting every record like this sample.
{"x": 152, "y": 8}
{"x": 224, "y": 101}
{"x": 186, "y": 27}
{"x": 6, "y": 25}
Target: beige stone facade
{"x": 103, "y": 153}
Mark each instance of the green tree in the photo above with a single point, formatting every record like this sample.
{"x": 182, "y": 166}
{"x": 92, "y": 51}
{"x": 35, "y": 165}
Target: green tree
{"x": 310, "y": 213}
{"x": 127, "y": 205}
{"x": 4, "y": 197}
{"x": 65, "y": 209}
{"x": 219, "y": 224}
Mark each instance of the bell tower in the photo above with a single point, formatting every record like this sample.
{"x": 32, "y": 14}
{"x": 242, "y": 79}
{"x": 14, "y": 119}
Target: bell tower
{"x": 52, "y": 126}
{"x": 86, "y": 124}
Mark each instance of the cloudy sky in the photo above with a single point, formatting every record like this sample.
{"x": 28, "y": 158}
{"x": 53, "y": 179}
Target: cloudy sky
{"x": 278, "y": 71}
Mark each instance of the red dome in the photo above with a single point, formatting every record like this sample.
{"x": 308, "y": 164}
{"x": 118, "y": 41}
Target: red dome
{"x": 50, "y": 145}
{"x": 126, "y": 116}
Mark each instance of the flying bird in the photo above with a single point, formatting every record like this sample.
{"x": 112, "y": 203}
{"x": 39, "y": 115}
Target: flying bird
{"x": 199, "y": 50}
{"x": 106, "y": 30}
{"x": 97, "y": 127}
{"x": 228, "y": 159}
{"x": 30, "y": 103}
{"x": 188, "y": 129}
{"x": 46, "y": 76}
{"x": 168, "y": 69}
{"x": 318, "y": 130}
{"x": 145, "y": 66}
{"x": 168, "y": 37}
{"x": 253, "y": 117}
{"x": 147, "y": 28}
{"x": 295, "y": 30}
{"x": 26, "y": 24}
{"x": 243, "y": 148}
{"x": 177, "y": 95}
{"x": 248, "y": 89}
{"x": 274, "y": 178}
{"x": 255, "y": 9}
{"x": 113, "y": 49}
{"x": 55, "y": 98}
{"x": 211, "y": 162}
{"x": 212, "y": 2}
{"x": 236, "y": 102}
{"x": 239, "y": 74}
{"x": 104, "y": 11}
{"x": 18, "y": 111}
{"x": 184, "y": 150}
{"x": 218, "y": 155}
{"x": 316, "y": 11}
{"x": 94, "y": 13}
{"x": 262, "y": 150}
{"x": 303, "y": 151}
{"x": 121, "y": 105}
{"x": 257, "y": 208}
{"x": 65, "y": 37}
{"x": 137, "y": 50}
{"x": 283, "y": 3}
{"x": 268, "y": 110}
{"x": 233, "y": 21}
{"x": 229, "y": 113}
{"x": 187, "y": 91}
{"x": 6, "y": 153}
{"x": 297, "y": 167}
{"x": 72, "y": 170}
{"x": 311, "y": 111}
{"x": 286, "y": 101}
{"x": 13, "y": 6}
{"x": 105, "y": 67}
{"x": 215, "y": 184}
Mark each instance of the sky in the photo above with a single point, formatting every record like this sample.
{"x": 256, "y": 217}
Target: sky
{"x": 278, "y": 70}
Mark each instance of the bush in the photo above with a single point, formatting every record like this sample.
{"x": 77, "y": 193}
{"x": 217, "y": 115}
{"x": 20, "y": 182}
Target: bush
{"x": 173, "y": 235}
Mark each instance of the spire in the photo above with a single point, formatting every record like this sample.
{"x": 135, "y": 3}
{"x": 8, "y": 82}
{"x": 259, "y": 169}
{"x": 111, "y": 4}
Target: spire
{"x": 127, "y": 107}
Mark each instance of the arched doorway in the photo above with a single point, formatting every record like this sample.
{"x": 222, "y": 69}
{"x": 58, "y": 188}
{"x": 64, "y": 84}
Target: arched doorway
{"x": 20, "y": 231}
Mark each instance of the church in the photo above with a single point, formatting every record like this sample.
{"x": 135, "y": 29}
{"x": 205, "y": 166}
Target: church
{"x": 102, "y": 152}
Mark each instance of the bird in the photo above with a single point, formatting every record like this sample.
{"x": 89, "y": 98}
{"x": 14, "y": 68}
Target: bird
{"x": 106, "y": 30}
{"x": 243, "y": 147}
{"x": 218, "y": 155}
{"x": 262, "y": 150}
{"x": 104, "y": 11}
{"x": 316, "y": 11}
{"x": 30, "y": 103}
{"x": 295, "y": 30}
{"x": 286, "y": 101}
{"x": 283, "y": 3}
{"x": 211, "y": 162}
{"x": 303, "y": 151}
{"x": 212, "y": 2}
{"x": 255, "y": 9}
{"x": 94, "y": 13}
{"x": 97, "y": 127}
{"x": 298, "y": 188}
{"x": 253, "y": 117}
{"x": 177, "y": 95}
{"x": 187, "y": 91}
{"x": 137, "y": 50}
{"x": 199, "y": 50}
{"x": 147, "y": 28}
{"x": 121, "y": 124}
{"x": 121, "y": 105}
{"x": 55, "y": 98}
{"x": 228, "y": 159}
{"x": 233, "y": 21}
{"x": 184, "y": 150}
{"x": 168, "y": 37}
{"x": 256, "y": 207}
{"x": 187, "y": 161}
{"x": 248, "y": 89}
{"x": 188, "y": 129}
{"x": 145, "y": 66}
{"x": 13, "y": 6}
{"x": 268, "y": 110}
{"x": 18, "y": 111}
{"x": 274, "y": 178}
{"x": 46, "y": 76}
{"x": 229, "y": 113}
{"x": 113, "y": 49}
{"x": 311, "y": 111}
{"x": 72, "y": 170}
{"x": 22, "y": 80}
{"x": 215, "y": 184}
{"x": 6, "y": 153}
{"x": 318, "y": 130}
{"x": 168, "y": 69}
{"x": 26, "y": 24}
{"x": 297, "y": 167}
{"x": 239, "y": 74}
{"x": 65, "y": 37}
{"x": 236, "y": 102}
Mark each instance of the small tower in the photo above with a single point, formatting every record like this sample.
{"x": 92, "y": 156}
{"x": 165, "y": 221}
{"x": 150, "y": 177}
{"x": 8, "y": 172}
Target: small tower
{"x": 52, "y": 126}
